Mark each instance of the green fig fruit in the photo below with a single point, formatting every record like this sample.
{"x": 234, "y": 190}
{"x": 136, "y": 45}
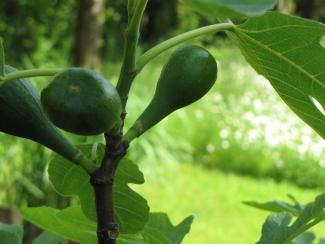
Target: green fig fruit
{"x": 187, "y": 76}
{"x": 83, "y": 102}
{"x": 22, "y": 116}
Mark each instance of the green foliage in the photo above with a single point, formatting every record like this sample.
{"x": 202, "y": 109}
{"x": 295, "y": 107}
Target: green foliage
{"x": 47, "y": 238}
{"x": 71, "y": 180}
{"x": 274, "y": 228}
{"x": 64, "y": 222}
{"x": 45, "y": 36}
{"x": 231, "y": 9}
{"x": 297, "y": 79}
{"x": 159, "y": 229}
{"x": 2, "y": 58}
{"x": 11, "y": 234}
{"x": 277, "y": 228}
{"x": 69, "y": 223}
{"x": 306, "y": 238}
{"x": 275, "y": 206}
{"x": 31, "y": 187}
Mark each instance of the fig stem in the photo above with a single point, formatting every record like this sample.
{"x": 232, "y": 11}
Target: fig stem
{"x": 84, "y": 162}
{"x": 134, "y": 132}
{"x": 128, "y": 69}
{"x": 160, "y": 48}
{"x": 29, "y": 73}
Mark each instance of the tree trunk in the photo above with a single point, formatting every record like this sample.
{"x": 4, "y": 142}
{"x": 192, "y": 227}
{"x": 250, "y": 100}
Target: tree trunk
{"x": 88, "y": 33}
{"x": 161, "y": 17}
{"x": 30, "y": 232}
{"x": 311, "y": 9}
{"x": 286, "y": 6}
{"x": 10, "y": 216}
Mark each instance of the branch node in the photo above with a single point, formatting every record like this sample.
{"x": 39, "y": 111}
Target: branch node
{"x": 109, "y": 233}
{"x": 96, "y": 181}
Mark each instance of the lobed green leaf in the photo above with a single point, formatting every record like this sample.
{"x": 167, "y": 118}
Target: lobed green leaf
{"x": 11, "y": 234}
{"x": 305, "y": 238}
{"x": 159, "y": 229}
{"x": 276, "y": 228}
{"x": 70, "y": 223}
{"x": 288, "y": 51}
{"x": 275, "y": 206}
{"x": 71, "y": 180}
{"x": 47, "y": 238}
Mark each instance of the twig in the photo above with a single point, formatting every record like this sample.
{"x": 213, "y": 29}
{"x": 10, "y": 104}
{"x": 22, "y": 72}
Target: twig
{"x": 102, "y": 181}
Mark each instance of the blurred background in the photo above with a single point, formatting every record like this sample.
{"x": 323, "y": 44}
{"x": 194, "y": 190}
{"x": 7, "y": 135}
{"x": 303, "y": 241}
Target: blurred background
{"x": 240, "y": 142}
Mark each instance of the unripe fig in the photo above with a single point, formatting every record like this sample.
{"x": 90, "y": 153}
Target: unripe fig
{"x": 81, "y": 101}
{"x": 187, "y": 76}
{"x": 22, "y": 116}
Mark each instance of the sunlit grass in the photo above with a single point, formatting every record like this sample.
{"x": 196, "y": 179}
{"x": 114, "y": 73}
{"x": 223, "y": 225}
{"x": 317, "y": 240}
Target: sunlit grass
{"x": 214, "y": 198}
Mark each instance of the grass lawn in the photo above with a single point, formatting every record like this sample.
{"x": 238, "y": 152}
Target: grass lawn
{"x": 214, "y": 198}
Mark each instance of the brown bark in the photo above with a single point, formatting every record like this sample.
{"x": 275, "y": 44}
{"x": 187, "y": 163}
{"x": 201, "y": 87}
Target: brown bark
{"x": 88, "y": 33}
{"x": 311, "y": 9}
{"x": 31, "y": 232}
{"x": 162, "y": 15}
{"x": 10, "y": 216}
{"x": 102, "y": 181}
{"x": 286, "y": 6}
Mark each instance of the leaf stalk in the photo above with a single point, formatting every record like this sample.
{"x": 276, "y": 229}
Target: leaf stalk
{"x": 29, "y": 73}
{"x": 155, "y": 51}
